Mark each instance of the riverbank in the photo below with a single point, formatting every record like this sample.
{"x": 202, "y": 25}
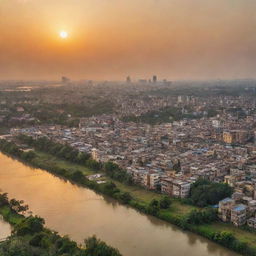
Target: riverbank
{"x": 30, "y": 237}
{"x": 175, "y": 214}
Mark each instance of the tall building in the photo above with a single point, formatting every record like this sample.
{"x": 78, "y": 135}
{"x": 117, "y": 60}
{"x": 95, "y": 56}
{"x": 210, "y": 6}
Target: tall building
{"x": 154, "y": 79}
{"x": 65, "y": 79}
{"x": 128, "y": 79}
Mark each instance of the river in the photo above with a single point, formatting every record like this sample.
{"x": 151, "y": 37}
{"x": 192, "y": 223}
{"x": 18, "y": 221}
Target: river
{"x": 5, "y": 229}
{"x": 80, "y": 212}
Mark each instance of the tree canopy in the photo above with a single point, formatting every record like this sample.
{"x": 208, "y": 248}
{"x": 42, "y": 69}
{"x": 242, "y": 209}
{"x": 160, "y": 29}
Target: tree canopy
{"x": 204, "y": 192}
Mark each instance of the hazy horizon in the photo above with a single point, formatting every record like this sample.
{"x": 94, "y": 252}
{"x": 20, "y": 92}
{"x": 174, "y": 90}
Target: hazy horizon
{"x": 108, "y": 40}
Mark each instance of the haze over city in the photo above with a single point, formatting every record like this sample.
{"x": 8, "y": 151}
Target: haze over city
{"x": 127, "y": 127}
{"x": 176, "y": 39}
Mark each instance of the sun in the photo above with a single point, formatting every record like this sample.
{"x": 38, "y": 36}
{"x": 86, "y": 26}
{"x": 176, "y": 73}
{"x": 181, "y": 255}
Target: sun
{"x": 63, "y": 34}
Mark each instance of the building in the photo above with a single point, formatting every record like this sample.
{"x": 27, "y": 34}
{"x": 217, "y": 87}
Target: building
{"x": 166, "y": 186}
{"x": 151, "y": 180}
{"x": 224, "y": 211}
{"x": 65, "y": 80}
{"x": 252, "y": 207}
{"x": 95, "y": 154}
{"x": 181, "y": 189}
{"x": 237, "y": 196}
{"x": 238, "y": 215}
{"x": 139, "y": 176}
{"x": 175, "y": 188}
{"x": 252, "y": 222}
{"x": 20, "y": 109}
{"x": 228, "y": 137}
{"x": 216, "y": 123}
{"x": 154, "y": 180}
{"x": 236, "y": 136}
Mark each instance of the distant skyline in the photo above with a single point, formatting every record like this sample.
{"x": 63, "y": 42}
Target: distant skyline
{"x": 111, "y": 39}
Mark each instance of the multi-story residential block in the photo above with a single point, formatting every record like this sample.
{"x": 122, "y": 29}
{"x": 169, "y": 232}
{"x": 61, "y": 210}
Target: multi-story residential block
{"x": 166, "y": 186}
{"x": 175, "y": 188}
{"x": 238, "y": 215}
{"x": 181, "y": 189}
{"x": 251, "y": 222}
{"x": 237, "y": 196}
{"x": 251, "y": 207}
{"x": 154, "y": 180}
{"x": 230, "y": 212}
{"x": 224, "y": 210}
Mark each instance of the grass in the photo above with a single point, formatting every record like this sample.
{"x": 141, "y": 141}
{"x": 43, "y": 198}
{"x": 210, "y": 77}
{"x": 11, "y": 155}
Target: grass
{"x": 240, "y": 234}
{"x": 181, "y": 209}
{"x": 138, "y": 192}
{"x": 44, "y": 157}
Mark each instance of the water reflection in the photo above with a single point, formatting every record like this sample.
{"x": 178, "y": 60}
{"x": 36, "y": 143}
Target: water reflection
{"x": 80, "y": 213}
{"x": 5, "y": 229}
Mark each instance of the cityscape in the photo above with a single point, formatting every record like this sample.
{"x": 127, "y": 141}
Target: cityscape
{"x": 127, "y": 128}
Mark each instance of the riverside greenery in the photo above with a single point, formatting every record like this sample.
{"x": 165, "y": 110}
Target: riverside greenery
{"x": 192, "y": 221}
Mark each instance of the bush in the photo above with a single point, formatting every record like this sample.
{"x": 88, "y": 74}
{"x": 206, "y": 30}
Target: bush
{"x": 77, "y": 176}
{"x": 29, "y": 226}
{"x": 65, "y": 245}
{"x": 110, "y": 188}
{"x": 165, "y": 202}
{"x": 153, "y": 207}
{"x": 97, "y": 247}
{"x": 28, "y": 156}
{"x": 202, "y": 216}
{"x": 36, "y": 239}
{"x": 4, "y": 199}
{"x": 125, "y": 197}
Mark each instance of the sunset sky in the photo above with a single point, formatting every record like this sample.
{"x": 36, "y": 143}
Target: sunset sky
{"x": 110, "y": 39}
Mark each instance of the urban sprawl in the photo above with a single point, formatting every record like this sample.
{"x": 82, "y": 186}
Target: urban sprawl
{"x": 213, "y": 137}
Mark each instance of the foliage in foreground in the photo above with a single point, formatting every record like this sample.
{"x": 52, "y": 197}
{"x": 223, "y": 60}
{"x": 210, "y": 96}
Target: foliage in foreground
{"x": 51, "y": 244}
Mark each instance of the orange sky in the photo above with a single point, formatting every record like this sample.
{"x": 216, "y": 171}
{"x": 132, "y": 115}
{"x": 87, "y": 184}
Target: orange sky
{"x": 110, "y": 39}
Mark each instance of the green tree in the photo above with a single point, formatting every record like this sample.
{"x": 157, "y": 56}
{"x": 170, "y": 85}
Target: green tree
{"x": 153, "y": 207}
{"x": 78, "y": 176}
{"x": 110, "y": 167}
{"x": 28, "y": 156}
{"x": 96, "y": 247}
{"x": 18, "y": 206}
{"x": 125, "y": 197}
{"x": 4, "y": 199}
{"x": 110, "y": 188}
{"x": 29, "y": 225}
{"x": 204, "y": 192}
{"x": 165, "y": 202}
{"x": 65, "y": 245}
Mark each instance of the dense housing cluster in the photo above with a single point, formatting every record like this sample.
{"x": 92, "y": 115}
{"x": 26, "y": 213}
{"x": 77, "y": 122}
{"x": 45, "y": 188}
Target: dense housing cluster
{"x": 167, "y": 137}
